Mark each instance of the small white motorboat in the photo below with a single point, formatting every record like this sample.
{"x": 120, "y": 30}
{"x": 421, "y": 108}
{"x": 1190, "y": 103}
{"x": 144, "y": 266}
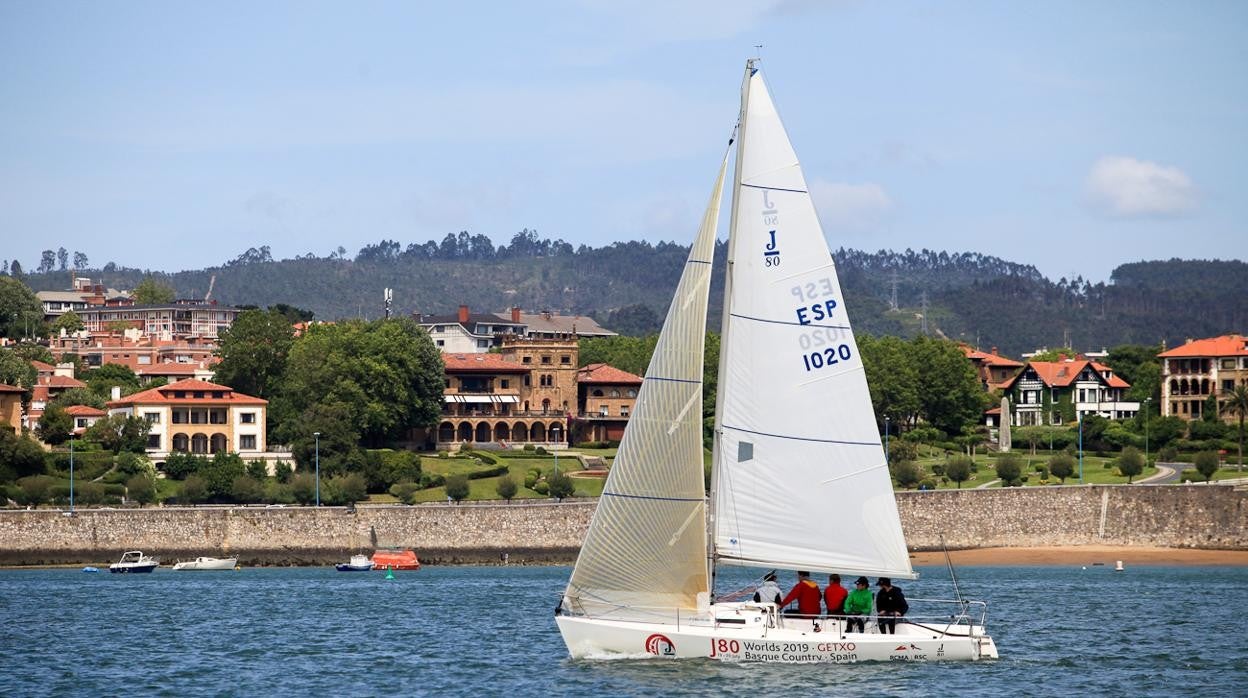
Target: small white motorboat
{"x": 359, "y": 563}
{"x": 208, "y": 563}
{"x": 134, "y": 562}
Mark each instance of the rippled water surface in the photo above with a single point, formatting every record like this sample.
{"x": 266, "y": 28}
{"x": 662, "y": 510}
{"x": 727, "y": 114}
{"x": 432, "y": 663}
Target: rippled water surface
{"x": 490, "y": 631}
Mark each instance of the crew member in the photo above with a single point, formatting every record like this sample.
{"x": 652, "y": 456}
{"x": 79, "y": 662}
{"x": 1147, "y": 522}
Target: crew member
{"x": 806, "y": 592}
{"x": 768, "y": 591}
{"x": 858, "y": 605}
{"x": 890, "y": 604}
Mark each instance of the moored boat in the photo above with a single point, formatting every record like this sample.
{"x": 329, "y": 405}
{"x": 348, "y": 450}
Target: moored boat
{"x": 395, "y": 559}
{"x": 207, "y": 563}
{"x": 358, "y": 563}
{"x": 134, "y": 562}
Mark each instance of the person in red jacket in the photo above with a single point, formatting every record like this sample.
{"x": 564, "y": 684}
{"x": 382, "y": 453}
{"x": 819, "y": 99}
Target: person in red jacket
{"x": 834, "y": 597}
{"x": 806, "y": 592}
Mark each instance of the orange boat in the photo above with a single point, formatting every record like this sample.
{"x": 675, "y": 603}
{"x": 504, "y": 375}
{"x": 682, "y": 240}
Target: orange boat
{"x": 395, "y": 559}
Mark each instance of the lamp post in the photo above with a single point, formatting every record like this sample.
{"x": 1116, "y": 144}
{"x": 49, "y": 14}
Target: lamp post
{"x": 317, "y": 435}
{"x": 1147, "y": 413}
{"x": 887, "y": 457}
{"x": 71, "y": 476}
{"x": 1080, "y": 416}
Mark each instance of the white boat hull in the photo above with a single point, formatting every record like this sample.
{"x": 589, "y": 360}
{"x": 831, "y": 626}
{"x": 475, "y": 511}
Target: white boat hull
{"x": 207, "y": 563}
{"x": 787, "y": 641}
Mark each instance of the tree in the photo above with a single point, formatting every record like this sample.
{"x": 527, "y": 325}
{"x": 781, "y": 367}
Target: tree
{"x": 79, "y": 396}
{"x": 892, "y": 377}
{"x": 561, "y": 486}
{"x": 506, "y": 488}
{"x": 906, "y": 473}
{"x": 1131, "y": 462}
{"x": 152, "y": 292}
{"x": 141, "y": 489}
{"x": 20, "y": 456}
{"x": 18, "y": 372}
{"x": 387, "y": 375}
{"x": 1062, "y": 466}
{"x": 1009, "y": 470}
{"x": 958, "y": 469}
{"x": 179, "y": 466}
{"x": 19, "y": 308}
{"x": 254, "y": 351}
{"x": 951, "y": 396}
{"x": 119, "y": 432}
{"x": 245, "y": 489}
{"x": 194, "y": 489}
{"x": 62, "y": 258}
{"x": 47, "y": 261}
{"x": 1206, "y": 463}
{"x": 55, "y": 426}
{"x": 68, "y": 321}
{"x": 102, "y": 380}
{"x": 457, "y": 487}
{"x": 1237, "y": 405}
{"x": 220, "y": 472}
{"x": 80, "y": 261}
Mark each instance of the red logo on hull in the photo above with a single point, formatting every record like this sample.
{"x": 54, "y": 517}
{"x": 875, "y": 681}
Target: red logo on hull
{"x": 660, "y": 645}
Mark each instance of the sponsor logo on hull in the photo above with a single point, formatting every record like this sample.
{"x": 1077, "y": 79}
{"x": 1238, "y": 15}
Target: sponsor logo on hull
{"x": 660, "y": 645}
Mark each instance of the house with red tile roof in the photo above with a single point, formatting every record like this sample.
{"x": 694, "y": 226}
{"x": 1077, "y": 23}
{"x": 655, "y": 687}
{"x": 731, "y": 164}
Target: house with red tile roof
{"x": 605, "y": 399}
{"x": 993, "y": 369}
{"x": 84, "y": 416}
{"x": 11, "y": 408}
{"x": 1043, "y": 390}
{"x": 196, "y": 416}
{"x": 50, "y": 382}
{"x": 1199, "y": 368}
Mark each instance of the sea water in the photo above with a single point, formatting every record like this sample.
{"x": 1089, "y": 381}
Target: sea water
{"x": 490, "y": 631}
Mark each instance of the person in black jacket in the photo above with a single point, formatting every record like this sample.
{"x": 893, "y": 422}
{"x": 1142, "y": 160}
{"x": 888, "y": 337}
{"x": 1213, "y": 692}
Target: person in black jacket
{"x": 890, "y": 604}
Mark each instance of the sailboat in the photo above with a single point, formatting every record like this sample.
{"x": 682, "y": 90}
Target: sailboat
{"x": 799, "y": 477}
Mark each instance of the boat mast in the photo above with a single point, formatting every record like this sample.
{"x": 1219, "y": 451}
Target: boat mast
{"x": 725, "y": 323}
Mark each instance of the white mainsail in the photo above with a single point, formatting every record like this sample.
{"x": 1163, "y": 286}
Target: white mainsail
{"x": 801, "y": 478}
{"x": 646, "y": 550}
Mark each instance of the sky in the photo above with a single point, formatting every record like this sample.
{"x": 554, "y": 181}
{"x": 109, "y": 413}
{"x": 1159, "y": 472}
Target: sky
{"x": 1073, "y": 136}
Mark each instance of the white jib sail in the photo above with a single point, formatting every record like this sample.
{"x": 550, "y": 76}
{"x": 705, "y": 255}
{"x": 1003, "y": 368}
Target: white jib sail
{"x": 645, "y": 554}
{"x": 801, "y": 480}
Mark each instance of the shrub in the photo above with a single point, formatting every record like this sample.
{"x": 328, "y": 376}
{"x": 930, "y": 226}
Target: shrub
{"x": 405, "y": 491}
{"x": 539, "y": 451}
{"x": 35, "y": 489}
{"x": 927, "y": 483}
{"x": 530, "y": 480}
{"x": 560, "y": 486}
{"x": 541, "y": 488}
{"x": 283, "y": 471}
{"x": 485, "y": 458}
{"x": 938, "y": 469}
{"x": 506, "y": 488}
{"x": 303, "y": 488}
{"x": 246, "y": 489}
{"x": 958, "y": 469}
{"x": 399, "y": 466}
{"x": 278, "y": 492}
{"x": 428, "y": 480}
{"x": 899, "y": 449}
{"x": 258, "y": 470}
{"x": 457, "y": 487}
{"x": 530, "y": 447}
{"x": 347, "y": 489}
{"x": 180, "y": 465}
{"x": 141, "y": 489}
{"x": 90, "y": 493}
{"x": 444, "y": 454}
{"x": 906, "y": 473}
{"x": 1131, "y": 462}
{"x": 1009, "y": 470}
{"x": 1206, "y": 463}
{"x": 1168, "y": 454}
{"x": 134, "y": 463}
{"x": 194, "y": 489}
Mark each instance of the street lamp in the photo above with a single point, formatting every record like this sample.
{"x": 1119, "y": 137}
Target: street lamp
{"x": 71, "y": 476}
{"x": 1147, "y": 412}
{"x": 317, "y": 434}
{"x": 1080, "y": 416}
{"x": 887, "y": 458}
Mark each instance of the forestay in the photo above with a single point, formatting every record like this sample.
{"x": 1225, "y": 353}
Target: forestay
{"x": 801, "y": 479}
{"x": 646, "y": 550}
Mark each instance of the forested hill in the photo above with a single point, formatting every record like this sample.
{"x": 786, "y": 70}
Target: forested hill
{"x": 627, "y": 286}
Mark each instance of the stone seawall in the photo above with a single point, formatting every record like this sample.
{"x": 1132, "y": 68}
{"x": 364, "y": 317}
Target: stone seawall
{"x": 1180, "y": 516}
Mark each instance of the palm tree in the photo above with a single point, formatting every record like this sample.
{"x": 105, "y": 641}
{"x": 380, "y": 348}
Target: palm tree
{"x": 1237, "y": 404}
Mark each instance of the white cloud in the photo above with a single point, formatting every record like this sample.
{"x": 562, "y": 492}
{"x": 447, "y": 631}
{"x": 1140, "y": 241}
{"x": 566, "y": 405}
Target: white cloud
{"x": 1130, "y": 188}
{"x": 850, "y": 207}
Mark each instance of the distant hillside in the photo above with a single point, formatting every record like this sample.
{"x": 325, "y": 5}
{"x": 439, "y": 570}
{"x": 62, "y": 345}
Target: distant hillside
{"x": 627, "y": 286}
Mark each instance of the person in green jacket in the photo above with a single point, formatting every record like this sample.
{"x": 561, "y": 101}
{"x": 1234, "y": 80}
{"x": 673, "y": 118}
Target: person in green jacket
{"x": 858, "y": 605}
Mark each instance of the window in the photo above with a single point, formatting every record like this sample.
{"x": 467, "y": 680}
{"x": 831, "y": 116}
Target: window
{"x": 623, "y": 410}
{"x": 483, "y": 343}
{"x": 1228, "y": 385}
{"x": 247, "y": 417}
{"x": 504, "y": 384}
{"x": 565, "y": 360}
{"x": 546, "y": 359}
{"x": 247, "y": 442}
{"x": 153, "y": 441}
{"x": 152, "y": 417}
{"x": 1228, "y": 363}
{"x": 632, "y": 392}
{"x": 527, "y": 360}
{"x": 597, "y": 392}
{"x": 80, "y": 422}
{"x": 199, "y": 394}
{"x": 527, "y": 380}
{"x": 441, "y": 343}
{"x": 615, "y": 392}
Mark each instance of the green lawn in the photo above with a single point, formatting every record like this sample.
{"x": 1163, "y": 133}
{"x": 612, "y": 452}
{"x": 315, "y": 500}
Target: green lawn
{"x": 1231, "y": 473}
{"x": 518, "y": 468}
{"x": 1095, "y": 471}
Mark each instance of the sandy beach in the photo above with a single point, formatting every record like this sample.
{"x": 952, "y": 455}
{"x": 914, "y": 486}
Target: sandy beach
{"x": 1084, "y": 555}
